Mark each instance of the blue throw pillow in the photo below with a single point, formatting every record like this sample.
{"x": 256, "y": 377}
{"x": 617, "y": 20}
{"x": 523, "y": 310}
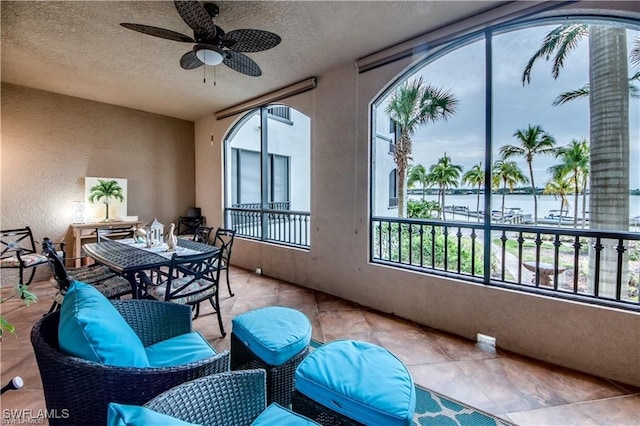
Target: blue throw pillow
{"x": 133, "y": 415}
{"x": 91, "y": 328}
{"x": 278, "y": 415}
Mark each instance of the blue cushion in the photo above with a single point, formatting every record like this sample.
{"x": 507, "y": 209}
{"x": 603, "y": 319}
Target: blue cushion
{"x": 278, "y": 415}
{"x": 179, "y": 350}
{"x": 132, "y": 415}
{"x": 274, "y": 334}
{"x": 359, "y": 380}
{"x": 91, "y": 328}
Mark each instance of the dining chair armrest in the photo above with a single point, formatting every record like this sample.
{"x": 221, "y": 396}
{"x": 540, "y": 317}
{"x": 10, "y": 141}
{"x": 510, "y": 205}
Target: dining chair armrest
{"x": 155, "y": 321}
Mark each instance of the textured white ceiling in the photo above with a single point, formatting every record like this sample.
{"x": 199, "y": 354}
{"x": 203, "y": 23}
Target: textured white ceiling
{"x": 79, "y": 48}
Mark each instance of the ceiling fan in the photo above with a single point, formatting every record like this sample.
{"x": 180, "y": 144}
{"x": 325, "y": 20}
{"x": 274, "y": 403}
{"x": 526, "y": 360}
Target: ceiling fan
{"x": 212, "y": 45}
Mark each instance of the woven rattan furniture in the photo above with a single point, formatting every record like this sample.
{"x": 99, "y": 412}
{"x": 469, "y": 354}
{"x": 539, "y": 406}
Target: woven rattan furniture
{"x": 348, "y": 382}
{"x": 226, "y": 399}
{"x": 236, "y": 398}
{"x": 260, "y": 338}
{"x": 81, "y": 390}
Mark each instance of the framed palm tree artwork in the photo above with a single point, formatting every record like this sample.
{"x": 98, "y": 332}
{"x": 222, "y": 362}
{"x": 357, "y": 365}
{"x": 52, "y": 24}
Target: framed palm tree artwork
{"x": 105, "y": 199}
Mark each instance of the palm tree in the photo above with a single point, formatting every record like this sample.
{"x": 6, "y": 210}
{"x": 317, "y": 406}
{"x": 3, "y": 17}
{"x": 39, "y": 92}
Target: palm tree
{"x": 510, "y": 174}
{"x": 412, "y": 105}
{"x": 575, "y": 164}
{"x": 445, "y": 175}
{"x": 106, "y": 189}
{"x": 584, "y": 91}
{"x": 475, "y": 177}
{"x": 533, "y": 141}
{"x": 559, "y": 186}
{"x": 417, "y": 174}
{"x": 609, "y": 127}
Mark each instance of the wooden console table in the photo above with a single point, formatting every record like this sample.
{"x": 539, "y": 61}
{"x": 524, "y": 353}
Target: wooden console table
{"x": 81, "y": 233}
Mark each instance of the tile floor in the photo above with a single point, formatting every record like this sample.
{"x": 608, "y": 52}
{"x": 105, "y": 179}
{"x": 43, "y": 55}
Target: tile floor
{"x": 513, "y": 387}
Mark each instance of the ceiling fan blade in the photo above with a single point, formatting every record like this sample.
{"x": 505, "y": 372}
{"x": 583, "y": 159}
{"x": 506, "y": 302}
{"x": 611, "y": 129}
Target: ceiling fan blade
{"x": 157, "y": 32}
{"x": 251, "y": 40}
{"x": 190, "y": 61}
{"x": 241, "y": 63}
{"x": 196, "y": 17}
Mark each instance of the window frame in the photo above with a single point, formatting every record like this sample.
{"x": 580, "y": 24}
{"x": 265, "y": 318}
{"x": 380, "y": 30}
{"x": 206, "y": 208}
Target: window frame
{"x": 487, "y": 227}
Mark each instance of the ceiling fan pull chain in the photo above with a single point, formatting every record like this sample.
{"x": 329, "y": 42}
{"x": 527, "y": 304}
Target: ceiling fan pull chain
{"x": 214, "y": 76}
{"x": 204, "y": 75}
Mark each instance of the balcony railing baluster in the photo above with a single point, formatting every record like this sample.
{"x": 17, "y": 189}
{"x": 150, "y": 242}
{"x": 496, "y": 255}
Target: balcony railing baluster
{"x": 516, "y": 264}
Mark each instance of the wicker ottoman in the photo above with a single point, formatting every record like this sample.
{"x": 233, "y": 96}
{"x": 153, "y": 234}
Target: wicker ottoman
{"x": 275, "y": 339}
{"x": 348, "y": 382}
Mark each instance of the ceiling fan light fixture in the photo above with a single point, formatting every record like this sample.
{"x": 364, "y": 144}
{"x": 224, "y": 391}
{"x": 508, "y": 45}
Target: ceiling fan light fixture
{"x": 209, "y": 55}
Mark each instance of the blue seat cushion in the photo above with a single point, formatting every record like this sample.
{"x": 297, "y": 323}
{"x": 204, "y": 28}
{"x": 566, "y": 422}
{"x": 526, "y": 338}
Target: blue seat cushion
{"x": 91, "y": 328}
{"x": 274, "y": 334}
{"x": 359, "y": 380}
{"x": 133, "y": 415}
{"x": 179, "y": 350}
{"x": 276, "y": 414}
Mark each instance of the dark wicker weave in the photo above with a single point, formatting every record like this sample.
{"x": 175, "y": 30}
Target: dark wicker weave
{"x": 280, "y": 378}
{"x": 307, "y": 407}
{"x": 83, "y": 389}
{"x": 226, "y": 399}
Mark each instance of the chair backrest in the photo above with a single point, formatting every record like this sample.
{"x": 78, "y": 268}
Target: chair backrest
{"x": 189, "y": 224}
{"x": 224, "y": 241}
{"x": 56, "y": 264}
{"x": 194, "y": 277}
{"x": 14, "y": 240}
{"x": 230, "y": 398}
{"x": 114, "y": 233}
{"x": 202, "y": 234}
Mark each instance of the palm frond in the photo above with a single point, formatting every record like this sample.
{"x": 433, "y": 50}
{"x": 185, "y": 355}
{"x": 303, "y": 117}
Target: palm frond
{"x": 561, "y": 40}
{"x": 565, "y": 97}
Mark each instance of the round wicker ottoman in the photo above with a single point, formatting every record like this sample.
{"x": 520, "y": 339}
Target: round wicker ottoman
{"x": 348, "y": 382}
{"x": 275, "y": 339}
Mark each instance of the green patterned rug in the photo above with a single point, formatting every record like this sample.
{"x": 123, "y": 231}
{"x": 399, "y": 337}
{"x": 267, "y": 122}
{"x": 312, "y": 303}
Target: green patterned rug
{"x": 433, "y": 409}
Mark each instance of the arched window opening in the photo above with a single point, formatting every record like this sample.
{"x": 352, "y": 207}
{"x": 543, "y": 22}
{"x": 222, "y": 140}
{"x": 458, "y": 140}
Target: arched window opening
{"x": 268, "y": 179}
{"x": 516, "y": 167}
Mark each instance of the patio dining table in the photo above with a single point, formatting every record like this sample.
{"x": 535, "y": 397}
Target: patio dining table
{"x": 127, "y": 257}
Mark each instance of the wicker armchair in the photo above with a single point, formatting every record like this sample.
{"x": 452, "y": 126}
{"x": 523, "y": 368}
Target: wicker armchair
{"x": 227, "y": 399}
{"x": 79, "y": 391}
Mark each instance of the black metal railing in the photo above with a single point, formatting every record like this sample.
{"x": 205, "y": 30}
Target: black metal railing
{"x": 273, "y": 225}
{"x": 273, "y": 205}
{"x": 600, "y": 267}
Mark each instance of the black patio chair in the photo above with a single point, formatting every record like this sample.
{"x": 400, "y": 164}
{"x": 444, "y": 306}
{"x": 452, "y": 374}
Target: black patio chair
{"x": 101, "y": 277}
{"x": 224, "y": 241}
{"x": 189, "y": 280}
{"x": 202, "y": 234}
{"x": 18, "y": 251}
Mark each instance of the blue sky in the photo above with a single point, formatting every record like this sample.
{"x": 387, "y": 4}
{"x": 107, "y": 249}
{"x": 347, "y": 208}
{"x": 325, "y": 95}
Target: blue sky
{"x": 515, "y": 106}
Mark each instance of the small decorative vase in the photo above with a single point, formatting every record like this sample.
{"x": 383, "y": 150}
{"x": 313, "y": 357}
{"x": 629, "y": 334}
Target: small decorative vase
{"x": 172, "y": 240}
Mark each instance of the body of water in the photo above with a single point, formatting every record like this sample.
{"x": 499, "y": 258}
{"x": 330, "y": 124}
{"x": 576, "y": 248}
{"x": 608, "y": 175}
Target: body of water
{"x": 546, "y": 203}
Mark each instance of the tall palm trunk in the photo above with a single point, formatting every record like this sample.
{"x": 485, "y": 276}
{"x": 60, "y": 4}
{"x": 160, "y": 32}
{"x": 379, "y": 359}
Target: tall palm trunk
{"x": 535, "y": 194}
{"x": 609, "y": 160}
{"x": 478, "y": 205}
{"x": 576, "y": 193}
{"x": 402, "y": 152}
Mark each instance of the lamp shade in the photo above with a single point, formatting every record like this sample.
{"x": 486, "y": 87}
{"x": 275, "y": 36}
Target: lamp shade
{"x": 209, "y": 54}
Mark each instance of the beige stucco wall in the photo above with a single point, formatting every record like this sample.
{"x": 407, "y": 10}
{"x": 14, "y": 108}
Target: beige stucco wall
{"x": 51, "y": 142}
{"x": 597, "y": 340}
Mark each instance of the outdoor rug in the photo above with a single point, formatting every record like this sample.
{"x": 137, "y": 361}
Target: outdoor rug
{"x": 434, "y": 409}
